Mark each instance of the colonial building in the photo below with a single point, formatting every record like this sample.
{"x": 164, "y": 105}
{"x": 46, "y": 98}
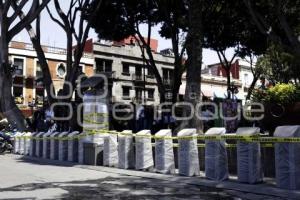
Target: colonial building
{"x": 131, "y": 79}
{"x": 27, "y": 71}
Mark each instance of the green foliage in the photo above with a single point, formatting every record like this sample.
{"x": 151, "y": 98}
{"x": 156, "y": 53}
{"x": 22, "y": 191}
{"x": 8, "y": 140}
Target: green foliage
{"x": 283, "y": 94}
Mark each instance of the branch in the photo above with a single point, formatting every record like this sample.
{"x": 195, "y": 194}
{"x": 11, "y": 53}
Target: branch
{"x": 17, "y": 11}
{"x": 54, "y": 19}
{"x": 30, "y": 17}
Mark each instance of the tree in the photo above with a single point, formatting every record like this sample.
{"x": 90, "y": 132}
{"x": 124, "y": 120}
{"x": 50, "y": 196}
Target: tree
{"x": 120, "y": 19}
{"x": 194, "y": 45}
{"x": 10, "y": 27}
{"x": 278, "y": 20}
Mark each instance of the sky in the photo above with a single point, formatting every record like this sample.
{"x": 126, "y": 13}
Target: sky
{"x": 53, "y": 35}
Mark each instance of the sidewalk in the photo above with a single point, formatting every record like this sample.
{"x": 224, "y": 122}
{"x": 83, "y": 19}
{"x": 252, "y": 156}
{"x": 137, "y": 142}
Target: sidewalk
{"x": 268, "y": 188}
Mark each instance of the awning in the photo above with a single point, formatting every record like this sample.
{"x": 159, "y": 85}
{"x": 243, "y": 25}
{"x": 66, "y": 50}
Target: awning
{"x": 207, "y": 93}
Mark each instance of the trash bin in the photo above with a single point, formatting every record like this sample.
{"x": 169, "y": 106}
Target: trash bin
{"x": 188, "y": 159}
{"x": 46, "y": 145}
{"x": 287, "y": 159}
{"x": 27, "y": 137}
{"x": 39, "y": 145}
{"x": 92, "y": 154}
{"x": 63, "y": 146}
{"x": 126, "y": 150}
{"x": 249, "y": 166}
{"x": 143, "y": 151}
{"x": 110, "y": 151}
{"x": 164, "y": 153}
{"x": 33, "y": 144}
{"x": 54, "y": 146}
{"x": 73, "y": 146}
{"x": 216, "y": 161}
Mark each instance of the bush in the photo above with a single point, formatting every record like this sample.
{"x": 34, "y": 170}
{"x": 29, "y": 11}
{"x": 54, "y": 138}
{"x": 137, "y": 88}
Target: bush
{"x": 283, "y": 94}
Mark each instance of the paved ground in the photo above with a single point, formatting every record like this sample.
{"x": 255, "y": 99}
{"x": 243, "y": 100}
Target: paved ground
{"x": 23, "y": 178}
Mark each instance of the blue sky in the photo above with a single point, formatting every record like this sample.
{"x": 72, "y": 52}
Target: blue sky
{"x": 53, "y": 35}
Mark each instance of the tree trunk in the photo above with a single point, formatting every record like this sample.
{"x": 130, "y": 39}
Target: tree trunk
{"x": 194, "y": 62}
{"x": 227, "y": 69}
{"x": 8, "y": 105}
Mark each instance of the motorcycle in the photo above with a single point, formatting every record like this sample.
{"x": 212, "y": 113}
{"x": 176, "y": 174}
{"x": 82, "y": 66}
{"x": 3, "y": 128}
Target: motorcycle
{"x": 6, "y": 142}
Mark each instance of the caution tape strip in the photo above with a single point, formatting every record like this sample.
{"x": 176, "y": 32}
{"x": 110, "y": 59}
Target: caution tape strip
{"x": 241, "y": 138}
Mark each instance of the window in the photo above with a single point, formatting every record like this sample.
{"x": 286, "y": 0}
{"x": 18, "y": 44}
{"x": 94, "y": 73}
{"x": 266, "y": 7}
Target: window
{"x": 19, "y": 66}
{"x": 18, "y": 94}
{"x": 138, "y": 70}
{"x": 39, "y": 73}
{"x": 151, "y": 94}
{"x": 61, "y": 70}
{"x": 246, "y": 79}
{"x": 126, "y": 91}
{"x": 138, "y": 94}
{"x": 167, "y": 76}
{"x": 126, "y": 68}
{"x": 103, "y": 65}
{"x": 150, "y": 72}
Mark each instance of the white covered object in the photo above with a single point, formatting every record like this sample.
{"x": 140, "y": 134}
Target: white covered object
{"x": 188, "y": 160}
{"x": 21, "y": 144}
{"x": 63, "y": 146}
{"x": 73, "y": 147}
{"x": 287, "y": 159}
{"x": 110, "y": 151}
{"x": 39, "y": 145}
{"x": 249, "y": 168}
{"x": 143, "y": 150}
{"x": 17, "y": 142}
{"x": 216, "y": 161}
{"x": 33, "y": 144}
{"x": 27, "y": 143}
{"x": 54, "y": 146}
{"x": 46, "y": 145}
{"x": 126, "y": 150}
{"x": 164, "y": 153}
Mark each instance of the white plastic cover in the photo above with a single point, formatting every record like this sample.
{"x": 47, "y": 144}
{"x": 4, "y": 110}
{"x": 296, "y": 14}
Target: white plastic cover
{"x": 39, "y": 145}
{"x": 188, "y": 160}
{"x": 27, "y": 143}
{"x": 164, "y": 153}
{"x": 73, "y": 147}
{"x": 287, "y": 159}
{"x": 216, "y": 161}
{"x": 110, "y": 151}
{"x": 32, "y": 144}
{"x": 126, "y": 150}
{"x": 143, "y": 150}
{"x": 63, "y": 147}
{"x": 21, "y": 144}
{"x": 46, "y": 144}
{"x": 249, "y": 166}
{"x": 54, "y": 146}
{"x": 17, "y": 143}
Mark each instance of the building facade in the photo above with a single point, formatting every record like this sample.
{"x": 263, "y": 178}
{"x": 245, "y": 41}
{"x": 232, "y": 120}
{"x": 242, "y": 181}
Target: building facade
{"x": 27, "y": 74}
{"x": 131, "y": 79}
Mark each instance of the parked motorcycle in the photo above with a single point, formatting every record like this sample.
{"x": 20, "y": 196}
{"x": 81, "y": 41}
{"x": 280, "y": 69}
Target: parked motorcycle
{"x": 6, "y": 142}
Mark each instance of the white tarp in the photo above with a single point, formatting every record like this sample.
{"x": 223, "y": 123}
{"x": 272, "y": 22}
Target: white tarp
{"x": 32, "y": 145}
{"x": 46, "y": 145}
{"x": 164, "y": 153}
{"x": 249, "y": 166}
{"x": 73, "y": 147}
{"x": 21, "y": 144}
{"x": 143, "y": 150}
{"x": 126, "y": 150}
{"x": 63, "y": 146}
{"x": 188, "y": 160}
{"x": 216, "y": 161}
{"x": 27, "y": 143}
{"x": 287, "y": 159}
{"x": 39, "y": 145}
{"x": 17, "y": 142}
{"x": 110, "y": 151}
{"x": 54, "y": 146}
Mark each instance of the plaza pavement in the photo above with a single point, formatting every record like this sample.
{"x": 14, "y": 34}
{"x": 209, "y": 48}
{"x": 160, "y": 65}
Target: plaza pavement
{"x": 35, "y": 178}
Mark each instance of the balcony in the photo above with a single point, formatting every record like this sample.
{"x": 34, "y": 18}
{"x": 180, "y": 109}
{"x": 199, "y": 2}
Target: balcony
{"x": 137, "y": 77}
{"x": 167, "y": 82}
